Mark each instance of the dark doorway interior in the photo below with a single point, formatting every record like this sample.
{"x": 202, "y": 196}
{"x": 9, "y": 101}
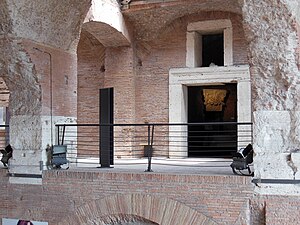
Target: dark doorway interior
{"x": 217, "y": 140}
{"x": 212, "y": 49}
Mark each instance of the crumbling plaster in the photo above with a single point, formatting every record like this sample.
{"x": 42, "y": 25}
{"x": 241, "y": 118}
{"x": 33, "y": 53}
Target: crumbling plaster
{"x": 56, "y": 24}
{"x": 273, "y": 42}
{"x": 18, "y": 72}
{"x": 294, "y": 7}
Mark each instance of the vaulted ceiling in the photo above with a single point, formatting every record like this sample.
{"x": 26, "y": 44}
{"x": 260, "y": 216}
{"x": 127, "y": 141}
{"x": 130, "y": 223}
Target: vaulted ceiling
{"x": 150, "y": 17}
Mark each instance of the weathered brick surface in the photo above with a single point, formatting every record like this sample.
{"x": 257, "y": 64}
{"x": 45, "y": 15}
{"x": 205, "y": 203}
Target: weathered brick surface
{"x": 139, "y": 74}
{"x": 140, "y": 77}
{"x": 90, "y": 76}
{"x": 4, "y": 196}
{"x": 276, "y": 210}
{"x": 162, "y": 13}
{"x": 56, "y": 69}
{"x": 167, "y": 51}
{"x": 220, "y": 198}
{"x": 67, "y": 195}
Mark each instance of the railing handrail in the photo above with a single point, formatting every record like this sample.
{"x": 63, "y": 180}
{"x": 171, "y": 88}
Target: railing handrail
{"x": 152, "y": 124}
{"x": 166, "y": 138}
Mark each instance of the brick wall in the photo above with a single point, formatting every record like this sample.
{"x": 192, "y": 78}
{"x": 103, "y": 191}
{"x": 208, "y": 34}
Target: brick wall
{"x": 100, "y": 67}
{"x": 140, "y": 76}
{"x": 4, "y": 198}
{"x": 119, "y": 74}
{"x": 63, "y": 78}
{"x": 223, "y": 199}
{"x": 276, "y": 210}
{"x": 167, "y": 51}
{"x": 90, "y": 77}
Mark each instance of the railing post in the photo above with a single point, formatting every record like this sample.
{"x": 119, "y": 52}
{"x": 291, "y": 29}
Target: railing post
{"x": 63, "y": 135}
{"x": 149, "y": 148}
{"x": 106, "y": 145}
{"x": 58, "y": 126}
{"x": 7, "y": 141}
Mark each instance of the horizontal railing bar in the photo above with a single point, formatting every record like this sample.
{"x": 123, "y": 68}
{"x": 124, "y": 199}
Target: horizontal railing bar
{"x": 156, "y": 124}
{"x": 167, "y": 140}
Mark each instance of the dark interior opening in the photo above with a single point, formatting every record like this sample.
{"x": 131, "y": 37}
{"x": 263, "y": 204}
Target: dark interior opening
{"x": 217, "y": 140}
{"x": 212, "y": 49}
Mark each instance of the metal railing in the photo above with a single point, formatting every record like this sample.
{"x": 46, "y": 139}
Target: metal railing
{"x": 160, "y": 140}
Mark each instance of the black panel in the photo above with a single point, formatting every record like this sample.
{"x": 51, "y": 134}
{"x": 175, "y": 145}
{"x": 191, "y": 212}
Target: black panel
{"x": 106, "y": 132}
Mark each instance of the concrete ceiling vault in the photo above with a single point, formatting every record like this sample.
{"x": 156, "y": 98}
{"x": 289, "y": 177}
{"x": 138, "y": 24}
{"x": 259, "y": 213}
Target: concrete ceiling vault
{"x": 106, "y": 23}
{"x": 107, "y": 35}
{"x": 55, "y": 23}
{"x": 150, "y": 17}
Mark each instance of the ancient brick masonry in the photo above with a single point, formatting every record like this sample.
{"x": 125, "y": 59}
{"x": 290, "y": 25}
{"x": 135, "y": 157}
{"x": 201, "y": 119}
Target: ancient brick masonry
{"x": 54, "y": 58}
{"x": 205, "y": 195}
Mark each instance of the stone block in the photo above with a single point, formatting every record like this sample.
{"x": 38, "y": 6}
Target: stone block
{"x": 272, "y": 166}
{"x": 295, "y": 159}
{"x": 271, "y": 131}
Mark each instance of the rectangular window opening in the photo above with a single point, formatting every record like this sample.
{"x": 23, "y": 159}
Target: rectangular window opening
{"x": 212, "y": 50}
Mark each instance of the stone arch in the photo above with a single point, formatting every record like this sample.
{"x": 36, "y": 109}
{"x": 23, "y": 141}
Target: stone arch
{"x": 18, "y": 72}
{"x": 158, "y": 210}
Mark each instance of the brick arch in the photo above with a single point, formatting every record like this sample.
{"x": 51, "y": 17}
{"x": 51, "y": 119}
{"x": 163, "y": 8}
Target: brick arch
{"x": 151, "y": 208}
